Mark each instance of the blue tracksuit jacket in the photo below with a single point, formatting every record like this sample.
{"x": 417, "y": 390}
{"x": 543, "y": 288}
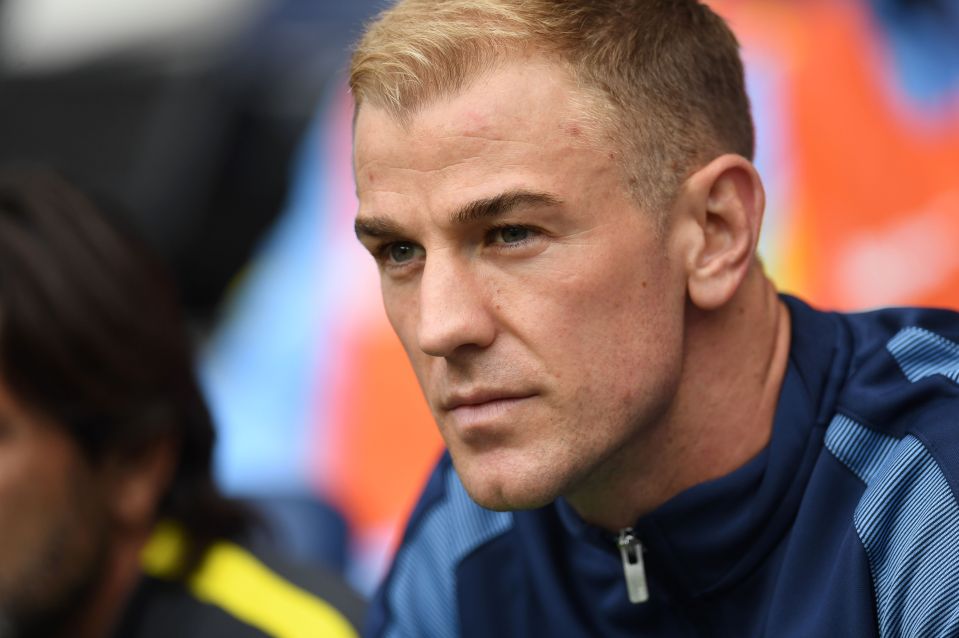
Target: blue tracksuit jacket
{"x": 847, "y": 524}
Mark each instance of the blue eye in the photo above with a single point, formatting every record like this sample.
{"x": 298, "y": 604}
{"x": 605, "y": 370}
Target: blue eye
{"x": 401, "y": 252}
{"x": 513, "y": 234}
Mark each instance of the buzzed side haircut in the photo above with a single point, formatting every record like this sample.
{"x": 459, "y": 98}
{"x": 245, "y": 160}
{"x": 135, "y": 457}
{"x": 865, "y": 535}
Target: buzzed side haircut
{"x": 664, "y": 77}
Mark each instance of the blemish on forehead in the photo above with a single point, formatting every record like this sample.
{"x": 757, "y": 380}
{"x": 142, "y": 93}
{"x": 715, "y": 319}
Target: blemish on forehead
{"x": 474, "y": 117}
{"x": 475, "y": 122}
{"x": 574, "y": 130}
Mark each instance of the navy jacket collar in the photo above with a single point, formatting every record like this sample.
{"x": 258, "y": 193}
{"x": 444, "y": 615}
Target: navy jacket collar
{"x": 715, "y": 534}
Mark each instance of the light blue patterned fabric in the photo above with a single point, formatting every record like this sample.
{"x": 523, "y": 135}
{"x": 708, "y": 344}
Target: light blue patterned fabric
{"x": 435, "y": 549}
{"x": 860, "y": 449}
{"x": 921, "y": 353}
{"x": 908, "y": 517}
{"x": 908, "y": 522}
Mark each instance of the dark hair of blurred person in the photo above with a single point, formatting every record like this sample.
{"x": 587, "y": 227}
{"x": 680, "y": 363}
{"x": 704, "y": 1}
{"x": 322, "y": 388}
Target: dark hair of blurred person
{"x": 105, "y": 439}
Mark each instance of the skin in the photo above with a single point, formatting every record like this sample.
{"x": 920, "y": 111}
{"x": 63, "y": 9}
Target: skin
{"x": 566, "y": 345}
{"x": 71, "y": 532}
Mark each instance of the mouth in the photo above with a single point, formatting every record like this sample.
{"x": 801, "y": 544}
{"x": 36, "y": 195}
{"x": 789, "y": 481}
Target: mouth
{"x": 480, "y": 408}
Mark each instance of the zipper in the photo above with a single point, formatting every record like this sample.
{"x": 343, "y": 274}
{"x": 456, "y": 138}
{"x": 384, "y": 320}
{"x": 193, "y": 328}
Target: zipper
{"x": 631, "y": 550}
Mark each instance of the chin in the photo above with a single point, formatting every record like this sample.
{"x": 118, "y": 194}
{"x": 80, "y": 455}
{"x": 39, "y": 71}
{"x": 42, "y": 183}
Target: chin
{"x": 508, "y": 491}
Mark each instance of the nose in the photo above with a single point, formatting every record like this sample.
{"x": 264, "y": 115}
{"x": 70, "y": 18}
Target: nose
{"x": 454, "y": 311}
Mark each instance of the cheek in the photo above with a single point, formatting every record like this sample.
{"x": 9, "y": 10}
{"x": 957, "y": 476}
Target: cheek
{"x": 402, "y": 312}
{"x": 403, "y": 316}
{"x": 27, "y": 490}
{"x": 614, "y": 327}
{"x": 33, "y": 493}
{"x": 35, "y": 480}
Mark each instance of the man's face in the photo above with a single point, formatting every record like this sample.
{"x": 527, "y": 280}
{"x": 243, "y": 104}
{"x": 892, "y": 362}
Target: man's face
{"x": 52, "y": 533}
{"x": 540, "y": 308}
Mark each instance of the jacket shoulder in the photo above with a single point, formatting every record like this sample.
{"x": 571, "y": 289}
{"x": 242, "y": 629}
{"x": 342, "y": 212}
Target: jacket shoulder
{"x": 419, "y": 594}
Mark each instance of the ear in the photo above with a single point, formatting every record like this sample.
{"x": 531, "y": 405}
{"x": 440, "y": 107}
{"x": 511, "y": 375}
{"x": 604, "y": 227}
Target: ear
{"x": 726, "y": 201}
{"x": 136, "y": 486}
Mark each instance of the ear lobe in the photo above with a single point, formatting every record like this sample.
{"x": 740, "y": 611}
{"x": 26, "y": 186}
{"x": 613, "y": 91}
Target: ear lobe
{"x": 730, "y": 201}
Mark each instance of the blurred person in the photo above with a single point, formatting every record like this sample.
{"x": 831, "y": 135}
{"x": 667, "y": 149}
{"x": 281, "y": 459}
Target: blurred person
{"x": 110, "y": 522}
{"x": 644, "y": 437}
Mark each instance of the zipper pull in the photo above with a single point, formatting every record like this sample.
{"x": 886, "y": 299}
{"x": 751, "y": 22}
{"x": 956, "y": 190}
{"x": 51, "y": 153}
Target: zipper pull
{"x": 631, "y": 551}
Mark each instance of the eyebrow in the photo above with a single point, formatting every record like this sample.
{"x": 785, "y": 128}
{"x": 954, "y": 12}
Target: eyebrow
{"x": 480, "y": 209}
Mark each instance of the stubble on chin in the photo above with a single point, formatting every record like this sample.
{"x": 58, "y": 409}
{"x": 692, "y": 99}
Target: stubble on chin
{"x": 47, "y": 593}
{"x": 526, "y": 483}
{"x": 54, "y": 611}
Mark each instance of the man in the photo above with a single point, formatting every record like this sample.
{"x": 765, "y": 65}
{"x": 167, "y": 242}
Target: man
{"x": 644, "y": 438}
{"x": 110, "y": 523}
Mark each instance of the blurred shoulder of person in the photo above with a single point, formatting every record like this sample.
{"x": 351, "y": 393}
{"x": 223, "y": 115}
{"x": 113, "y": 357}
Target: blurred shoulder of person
{"x": 112, "y": 524}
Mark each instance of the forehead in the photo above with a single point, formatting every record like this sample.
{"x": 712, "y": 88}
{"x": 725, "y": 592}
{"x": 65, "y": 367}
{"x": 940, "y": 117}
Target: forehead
{"x": 523, "y": 109}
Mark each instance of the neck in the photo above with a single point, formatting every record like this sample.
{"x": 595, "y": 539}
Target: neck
{"x": 720, "y": 417}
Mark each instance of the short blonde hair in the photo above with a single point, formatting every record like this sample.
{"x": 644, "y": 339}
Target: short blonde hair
{"x": 667, "y": 72}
